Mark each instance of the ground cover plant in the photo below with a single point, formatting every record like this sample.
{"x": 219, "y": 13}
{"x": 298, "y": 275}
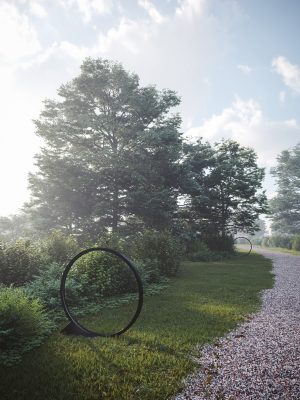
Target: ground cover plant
{"x": 203, "y": 302}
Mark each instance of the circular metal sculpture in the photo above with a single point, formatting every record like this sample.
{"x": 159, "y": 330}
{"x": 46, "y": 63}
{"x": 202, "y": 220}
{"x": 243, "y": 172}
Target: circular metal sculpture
{"x": 242, "y": 237}
{"x": 74, "y": 327}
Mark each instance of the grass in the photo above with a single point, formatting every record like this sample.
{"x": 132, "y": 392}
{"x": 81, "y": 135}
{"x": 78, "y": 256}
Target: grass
{"x": 281, "y": 250}
{"x": 150, "y": 361}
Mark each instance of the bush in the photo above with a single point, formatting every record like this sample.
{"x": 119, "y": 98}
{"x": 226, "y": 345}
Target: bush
{"x": 284, "y": 241}
{"x": 266, "y": 241}
{"x": 59, "y": 247}
{"x": 23, "y": 324}
{"x": 149, "y": 271}
{"x": 94, "y": 276}
{"x": 296, "y": 242}
{"x": 199, "y": 251}
{"x": 197, "y": 245}
{"x": 102, "y": 274}
{"x": 46, "y": 286}
{"x": 219, "y": 243}
{"x": 256, "y": 240}
{"x": 161, "y": 248}
{"x": 19, "y": 262}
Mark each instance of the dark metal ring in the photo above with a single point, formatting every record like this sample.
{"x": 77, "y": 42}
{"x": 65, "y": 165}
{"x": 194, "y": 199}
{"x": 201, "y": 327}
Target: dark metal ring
{"x": 242, "y": 237}
{"x": 74, "y": 327}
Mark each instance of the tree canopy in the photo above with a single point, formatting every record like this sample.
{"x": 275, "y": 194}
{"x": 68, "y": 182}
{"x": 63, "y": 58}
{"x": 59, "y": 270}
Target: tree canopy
{"x": 110, "y": 153}
{"x": 285, "y": 206}
{"x": 224, "y": 188}
{"x": 114, "y": 160}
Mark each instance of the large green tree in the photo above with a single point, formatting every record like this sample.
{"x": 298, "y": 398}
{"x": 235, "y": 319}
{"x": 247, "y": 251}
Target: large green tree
{"x": 285, "y": 206}
{"x": 223, "y": 188}
{"x": 110, "y": 154}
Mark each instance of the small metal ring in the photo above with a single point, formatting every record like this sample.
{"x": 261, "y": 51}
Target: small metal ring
{"x": 242, "y": 237}
{"x": 75, "y": 326}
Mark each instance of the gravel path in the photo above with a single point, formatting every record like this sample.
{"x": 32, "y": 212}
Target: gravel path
{"x": 261, "y": 359}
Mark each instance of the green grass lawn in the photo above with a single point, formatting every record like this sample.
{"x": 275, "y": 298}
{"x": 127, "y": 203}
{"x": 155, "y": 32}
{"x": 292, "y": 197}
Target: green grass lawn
{"x": 281, "y": 250}
{"x": 204, "y": 302}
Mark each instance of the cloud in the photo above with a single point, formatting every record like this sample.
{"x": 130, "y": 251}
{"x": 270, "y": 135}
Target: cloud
{"x": 89, "y": 8}
{"x": 174, "y": 51}
{"x": 190, "y": 9}
{"x": 23, "y": 40}
{"x": 245, "y": 69}
{"x": 282, "y": 96}
{"x": 289, "y": 72}
{"x": 245, "y": 122}
{"x": 37, "y": 9}
{"x": 127, "y": 36}
{"x": 152, "y": 11}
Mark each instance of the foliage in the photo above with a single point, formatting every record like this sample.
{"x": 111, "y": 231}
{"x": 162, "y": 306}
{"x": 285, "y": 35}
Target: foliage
{"x": 222, "y": 185}
{"x": 155, "y": 356}
{"x": 296, "y": 243}
{"x": 23, "y": 324}
{"x": 284, "y": 241}
{"x": 285, "y": 206}
{"x": 266, "y": 241}
{"x": 199, "y": 251}
{"x": 218, "y": 243}
{"x": 256, "y": 240}
{"x": 15, "y": 227}
{"x": 162, "y": 248}
{"x": 45, "y": 287}
{"x": 149, "y": 271}
{"x": 110, "y": 155}
{"x": 84, "y": 287}
{"x": 19, "y": 262}
{"x": 102, "y": 274}
{"x": 59, "y": 247}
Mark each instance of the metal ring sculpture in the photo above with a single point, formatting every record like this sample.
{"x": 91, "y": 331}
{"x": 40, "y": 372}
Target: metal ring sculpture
{"x": 242, "y": 237}
{"x": 74, "y": 327}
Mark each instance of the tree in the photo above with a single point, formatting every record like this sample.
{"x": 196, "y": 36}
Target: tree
{"x": 15, "y": 227}
{"x": 110, "y": 154}
{"x": 285, "y": 206}
{"x": 223, "y": 188}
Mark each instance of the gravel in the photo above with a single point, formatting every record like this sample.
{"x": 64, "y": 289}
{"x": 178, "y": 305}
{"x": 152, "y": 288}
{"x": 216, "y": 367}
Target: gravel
{"x": 261, "y": 358}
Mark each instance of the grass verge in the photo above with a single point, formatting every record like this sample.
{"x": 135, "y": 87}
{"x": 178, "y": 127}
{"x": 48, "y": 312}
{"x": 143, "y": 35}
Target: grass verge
{"x": 150, "y": 361}
{"x": 280, "y": 250}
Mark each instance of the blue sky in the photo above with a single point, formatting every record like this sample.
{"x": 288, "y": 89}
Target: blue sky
{"x": 235, "y": 65}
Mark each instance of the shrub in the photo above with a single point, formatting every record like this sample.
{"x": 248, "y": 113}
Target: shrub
{"x": 160, "y": 247}
{"x": 19, "y": 262}
{"x": 102, "y": 274}
{"x": 219, "y": 243}
{"x": 266, "y": 241}
{"x": 197, "y": 245}
{"x": 199, "y": 251}
{"x": 59, "y": 247}
{"x": 256, "y": 240}
{"x": 149, "y": 271}
{"x": 23, "y": 324}
{"x": 46, "y": 286}
{"x": 284, "y": 241}
{"x": 296, "y": 242}
{"x": 94, "y": 276}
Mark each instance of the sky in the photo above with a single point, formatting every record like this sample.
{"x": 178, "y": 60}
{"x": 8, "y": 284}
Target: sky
{"x": 234, "y": 63}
